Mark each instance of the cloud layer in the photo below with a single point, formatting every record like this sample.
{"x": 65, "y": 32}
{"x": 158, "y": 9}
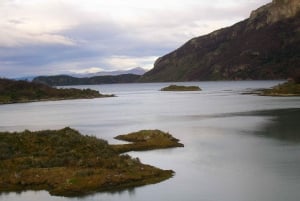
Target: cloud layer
{"x": 55, "y": 37}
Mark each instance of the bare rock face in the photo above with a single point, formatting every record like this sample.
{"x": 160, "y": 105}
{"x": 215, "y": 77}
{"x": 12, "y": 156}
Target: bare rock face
{"x": 264, "y": 46}
{"x": 273, "y": 12}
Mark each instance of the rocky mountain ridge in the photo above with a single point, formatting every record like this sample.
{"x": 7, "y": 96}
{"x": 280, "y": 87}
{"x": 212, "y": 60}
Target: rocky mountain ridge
{"x": 264, "y": 46}
{"x": 273, "y": 12}
{"x": 135, "y": 71}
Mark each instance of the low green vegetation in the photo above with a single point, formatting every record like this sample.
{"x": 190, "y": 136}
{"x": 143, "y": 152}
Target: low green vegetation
{"x": 290, "y": 88}
{"x": 66, "y": 163}
{"x": 12, "y": 91}
{"x": 146, "y": 140}
{"x": 181, "y": 88}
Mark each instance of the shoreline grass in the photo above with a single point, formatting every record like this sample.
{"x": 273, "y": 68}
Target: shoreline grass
{"x": 287, "y": 89}
{"x": 67, "y": 163}
{"x": 144, "y": 140}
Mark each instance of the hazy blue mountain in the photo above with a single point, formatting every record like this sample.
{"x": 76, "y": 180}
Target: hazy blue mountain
{"x": 64, "y": 80}
{"x": 135, "y": 71}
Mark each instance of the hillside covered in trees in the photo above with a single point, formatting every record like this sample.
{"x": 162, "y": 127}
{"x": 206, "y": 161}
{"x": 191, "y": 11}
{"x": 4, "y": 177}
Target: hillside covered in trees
{"x": 12, "y": 91}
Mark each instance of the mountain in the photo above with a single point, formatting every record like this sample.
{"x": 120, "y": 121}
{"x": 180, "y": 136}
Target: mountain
{"x": 25, "y": 78}
{"x": 64, "y": 80}
{"x": 264, "y": 46}
{"x": 135, "y": 71}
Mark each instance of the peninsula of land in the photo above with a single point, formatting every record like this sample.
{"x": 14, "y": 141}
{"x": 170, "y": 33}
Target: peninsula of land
{"x": 290, "y": 88}
{"x": 12, "y": 91}
{"x": 146, "y": 140}
{"x": 67, "y": 163}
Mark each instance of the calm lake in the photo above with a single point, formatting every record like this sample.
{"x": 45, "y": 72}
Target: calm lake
{"x": 237, "y": 147}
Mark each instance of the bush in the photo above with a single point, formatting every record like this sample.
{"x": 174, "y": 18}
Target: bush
{"x": 296, "y": 78}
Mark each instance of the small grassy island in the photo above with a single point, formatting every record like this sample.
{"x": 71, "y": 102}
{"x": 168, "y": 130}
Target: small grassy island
{"x": 146, "y": 140}
{"x": 66, "y": 163}
{"x": 12, "y": 91}
{"x": 181, "y": 88}
{"x": 289, "y": 88}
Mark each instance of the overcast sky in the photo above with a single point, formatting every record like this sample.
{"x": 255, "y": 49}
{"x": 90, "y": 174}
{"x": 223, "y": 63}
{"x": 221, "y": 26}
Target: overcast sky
{"x": 46, "y": 37}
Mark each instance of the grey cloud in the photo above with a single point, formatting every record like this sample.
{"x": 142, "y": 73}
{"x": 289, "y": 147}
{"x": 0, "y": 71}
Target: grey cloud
{"x": 111, "y": 39}
{"x": 14, "y": 21}
{"x": 154, "y": 34}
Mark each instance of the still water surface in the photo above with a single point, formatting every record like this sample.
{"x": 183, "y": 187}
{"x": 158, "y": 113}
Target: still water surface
{"x": 237, "y": 147}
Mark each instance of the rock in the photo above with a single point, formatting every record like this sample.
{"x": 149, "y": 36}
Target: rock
{"x": 264, "y": 46}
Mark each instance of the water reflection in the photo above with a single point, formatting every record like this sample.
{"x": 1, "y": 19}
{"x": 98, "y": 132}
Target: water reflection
{"x": 285, "y": 125}
{"x": 282, "y": 124}
{"x": 237, "y": 147}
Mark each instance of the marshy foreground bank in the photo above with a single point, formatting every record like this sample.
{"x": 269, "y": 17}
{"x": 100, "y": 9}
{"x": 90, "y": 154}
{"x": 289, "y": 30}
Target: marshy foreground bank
{"x": 66, "y": 163}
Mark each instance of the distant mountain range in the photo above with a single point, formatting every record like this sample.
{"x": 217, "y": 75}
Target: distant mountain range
{"x": 104, "y": 77}
{"x": 264, "y": 46}
{"x": 135, "y": 71}
{"x": 65, "y": 80}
